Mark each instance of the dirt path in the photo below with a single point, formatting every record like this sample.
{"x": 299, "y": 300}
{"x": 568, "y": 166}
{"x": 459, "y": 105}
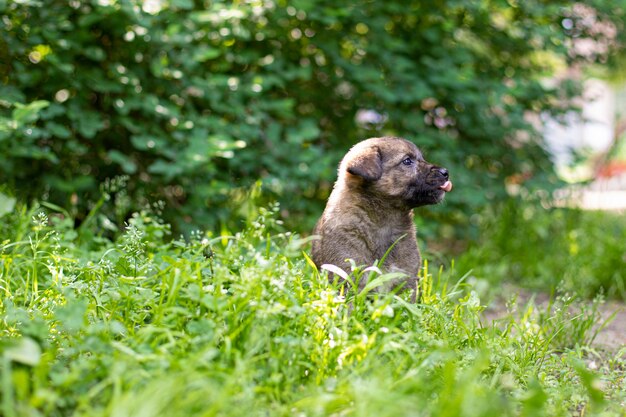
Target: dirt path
{"x": 612, "y": 337}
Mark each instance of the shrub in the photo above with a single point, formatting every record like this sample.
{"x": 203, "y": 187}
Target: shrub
{"x": 195, "y": 101}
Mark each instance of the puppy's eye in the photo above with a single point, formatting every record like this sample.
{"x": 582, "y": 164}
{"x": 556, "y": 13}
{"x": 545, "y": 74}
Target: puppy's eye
{"x": 407, "y": 161}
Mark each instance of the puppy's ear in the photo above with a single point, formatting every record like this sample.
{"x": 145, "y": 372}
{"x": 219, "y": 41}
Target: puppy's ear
{"x": 367, "y": 164}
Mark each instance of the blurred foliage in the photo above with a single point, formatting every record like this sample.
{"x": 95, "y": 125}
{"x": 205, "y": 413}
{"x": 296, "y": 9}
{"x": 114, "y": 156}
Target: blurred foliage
{"x": 581, "y": 251}
{"x": 194, "y": 101}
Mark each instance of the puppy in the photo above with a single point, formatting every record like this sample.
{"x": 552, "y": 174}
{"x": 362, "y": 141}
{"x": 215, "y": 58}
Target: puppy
{"x": 380, "y": 181}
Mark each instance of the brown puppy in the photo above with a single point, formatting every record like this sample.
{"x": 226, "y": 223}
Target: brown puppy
{"x": 380, "y": 181}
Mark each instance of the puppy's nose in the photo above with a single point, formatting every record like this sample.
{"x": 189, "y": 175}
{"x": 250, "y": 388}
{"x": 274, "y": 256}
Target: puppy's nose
{"x": 443, "y": 172}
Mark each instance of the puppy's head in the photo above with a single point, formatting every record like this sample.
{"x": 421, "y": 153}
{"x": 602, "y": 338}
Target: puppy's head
{"x": 393, "y": 169}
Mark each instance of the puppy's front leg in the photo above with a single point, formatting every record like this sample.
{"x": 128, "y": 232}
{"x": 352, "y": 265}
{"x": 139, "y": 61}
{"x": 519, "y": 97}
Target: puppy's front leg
{"x": 405, "y": 257}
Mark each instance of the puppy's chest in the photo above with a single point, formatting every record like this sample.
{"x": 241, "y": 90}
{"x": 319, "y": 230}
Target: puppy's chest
{"x": 386, "y": 236}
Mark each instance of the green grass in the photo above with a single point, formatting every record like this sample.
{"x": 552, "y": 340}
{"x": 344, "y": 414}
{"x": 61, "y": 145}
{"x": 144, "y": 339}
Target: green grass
{"x": 146, "y": 325}
{"x": 582, "y": 251}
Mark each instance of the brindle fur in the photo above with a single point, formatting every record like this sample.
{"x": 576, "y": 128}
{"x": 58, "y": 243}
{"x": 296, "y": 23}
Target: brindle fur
{"x": 371, "y": 207}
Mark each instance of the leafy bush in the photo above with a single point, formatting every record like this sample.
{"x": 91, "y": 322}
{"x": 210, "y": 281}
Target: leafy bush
{"x": 542, "y": 248}
{"x": 241, "y": 325}
{"x": 195, "y": 101}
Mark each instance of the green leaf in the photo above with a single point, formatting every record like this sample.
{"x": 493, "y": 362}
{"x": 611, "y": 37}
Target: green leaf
{"x": 128, "y": 164}
{"x": 307, "y": 130}
{"x": 167, "y": 169}
{"x": 89, "y": 123}
{"x": 7, "y": 204}
{"x": 28, "y": 113}
{"x": 144, "y": 142}
{"x": 26, "y": 351}
{"x": 591, "y": 382}
{"x": 380, "y": 281}
{"x": 206, "y": 53}
{"x": 95, "y": 53}
{"x": 58, "y": 130}
{"x": 183, "y": 4}
{"x": 71, "y": 316}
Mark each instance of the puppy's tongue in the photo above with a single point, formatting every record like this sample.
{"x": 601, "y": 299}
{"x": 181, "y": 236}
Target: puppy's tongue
{"x": 447, "y": 186}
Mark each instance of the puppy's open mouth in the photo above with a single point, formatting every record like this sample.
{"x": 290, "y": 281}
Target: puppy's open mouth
{"x": 447, "y": 186}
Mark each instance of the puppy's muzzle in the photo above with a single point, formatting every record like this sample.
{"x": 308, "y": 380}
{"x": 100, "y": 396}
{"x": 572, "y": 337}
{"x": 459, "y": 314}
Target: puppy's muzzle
{"x": 443, "y": 176}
